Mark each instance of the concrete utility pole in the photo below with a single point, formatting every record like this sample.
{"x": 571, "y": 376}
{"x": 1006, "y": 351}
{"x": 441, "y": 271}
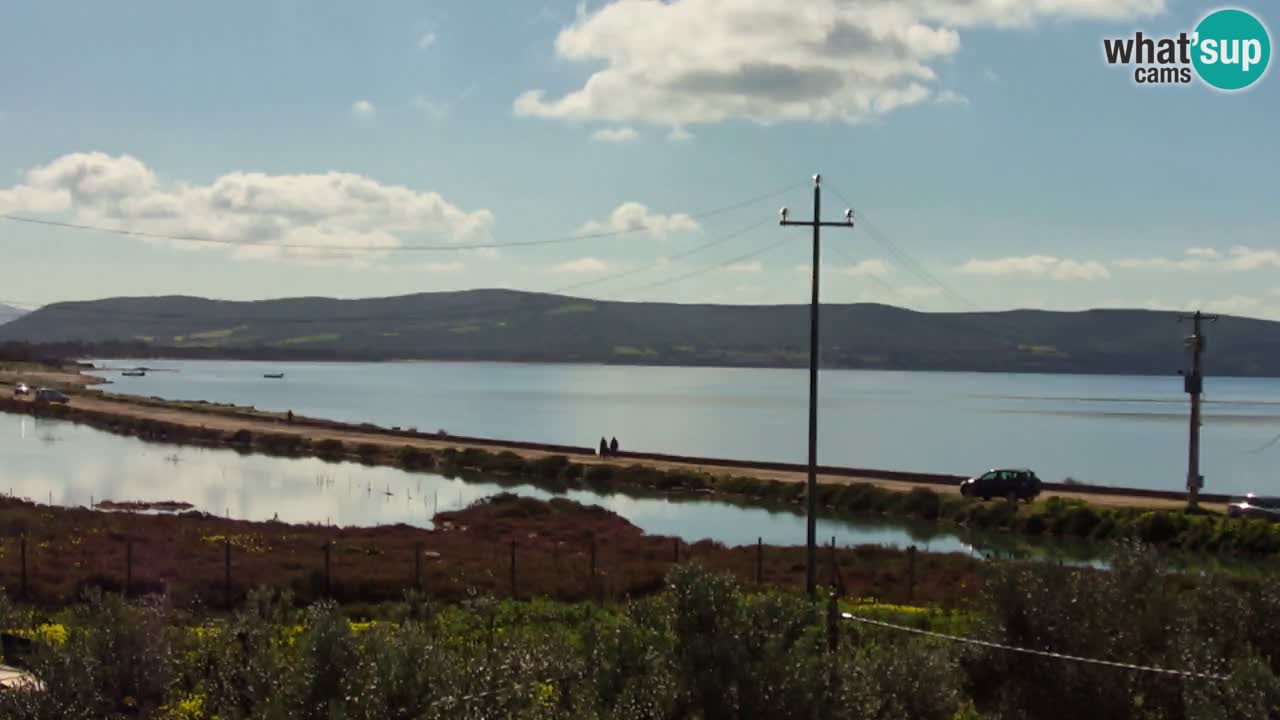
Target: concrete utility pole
{"x": 811, "y": 547}
{"x": 1193, "y": 384}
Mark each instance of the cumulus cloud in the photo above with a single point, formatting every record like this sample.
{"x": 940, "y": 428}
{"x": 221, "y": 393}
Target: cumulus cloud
{"x": 683, "y": 62}
{"x": 1237, "y": 259}
{"x": 1247, "y": 258}
{"x": 1038, "y": 266}
{"x": 615, "y": 135}
{"x": 865, "y": 268}
{"x": 990, "y": 75}
{"x": 255, "y": 214}
{"x": 679, "y": 134}
{"x": 431, "y": 107}
{"x": 950, "y": 97}
{"x": 364, "y": 108}
{"x": 632, "y": 216}
{"x": 426, "y": 40}
{"x": 582, "y": 265}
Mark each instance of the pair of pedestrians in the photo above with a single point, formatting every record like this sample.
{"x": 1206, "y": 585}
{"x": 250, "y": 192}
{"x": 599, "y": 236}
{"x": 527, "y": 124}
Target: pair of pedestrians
{"x": 608, "y": 448}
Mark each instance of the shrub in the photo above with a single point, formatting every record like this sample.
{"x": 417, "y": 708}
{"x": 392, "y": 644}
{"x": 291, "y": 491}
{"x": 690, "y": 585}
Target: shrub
{"x": 330, "y": 447}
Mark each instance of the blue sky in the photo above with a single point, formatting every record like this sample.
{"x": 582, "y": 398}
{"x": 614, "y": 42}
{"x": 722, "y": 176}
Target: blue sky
{"x": 987, "y": 141}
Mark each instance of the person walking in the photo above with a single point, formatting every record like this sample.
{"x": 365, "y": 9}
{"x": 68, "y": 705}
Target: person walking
{"x": 613, "y": 446}
{"x": 604, "y": 447}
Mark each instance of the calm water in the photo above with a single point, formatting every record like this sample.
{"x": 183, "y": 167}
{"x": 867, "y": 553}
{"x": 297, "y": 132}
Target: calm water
{"x": 1113, "y": 430}
{"x": 66, "y": 464}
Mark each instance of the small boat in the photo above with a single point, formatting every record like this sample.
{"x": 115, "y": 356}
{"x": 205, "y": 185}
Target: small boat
{"x": 273, "y": 376}
{"x": 134, "y": 373}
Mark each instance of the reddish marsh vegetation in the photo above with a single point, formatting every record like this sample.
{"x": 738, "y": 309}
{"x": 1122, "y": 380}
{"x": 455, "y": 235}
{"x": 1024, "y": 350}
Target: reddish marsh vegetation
{"x": 185, "y": 556}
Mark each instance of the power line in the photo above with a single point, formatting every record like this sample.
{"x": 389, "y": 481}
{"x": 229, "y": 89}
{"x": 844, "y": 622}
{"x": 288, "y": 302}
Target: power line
{"x": 75, "y": 308}
{"x": 1186, "y": 674}
{"x": 450, "y": 247}
{"x": 884, "y": 285}
{"x": 635, "y": 271}
{"x": 706, "y": 269}
{"x": 902, "y": 256}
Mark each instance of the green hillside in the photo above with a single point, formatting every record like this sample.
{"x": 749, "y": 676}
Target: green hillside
{"x": 518, "y": 326}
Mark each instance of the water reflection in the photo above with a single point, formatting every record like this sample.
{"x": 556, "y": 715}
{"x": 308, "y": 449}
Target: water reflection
{"x": 66, "y": 464}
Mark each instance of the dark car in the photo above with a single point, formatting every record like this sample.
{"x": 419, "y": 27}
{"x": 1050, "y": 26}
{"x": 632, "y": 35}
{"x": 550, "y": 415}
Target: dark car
{"x": 1018, "y": 484}
{"x": 47, "y": 395}
{"x": 1257, "y": 507}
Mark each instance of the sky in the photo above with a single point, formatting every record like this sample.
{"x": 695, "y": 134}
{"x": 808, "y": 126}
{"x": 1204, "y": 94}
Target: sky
{"x": 993, "y": 160}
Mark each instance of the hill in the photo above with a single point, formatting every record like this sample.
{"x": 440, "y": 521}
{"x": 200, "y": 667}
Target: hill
{"x": 502, "y": 325}
{"x": 9, "y": 312}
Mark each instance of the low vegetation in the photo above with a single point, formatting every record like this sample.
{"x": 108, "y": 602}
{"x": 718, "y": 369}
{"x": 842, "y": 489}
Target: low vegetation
{"x": 704, "y": 646}
{"x": 562, "y": 550}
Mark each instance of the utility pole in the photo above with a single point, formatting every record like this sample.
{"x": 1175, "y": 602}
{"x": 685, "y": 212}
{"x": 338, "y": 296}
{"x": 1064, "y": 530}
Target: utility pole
{"x": 1193, "y": 384}
{"x": 811, "y": 547}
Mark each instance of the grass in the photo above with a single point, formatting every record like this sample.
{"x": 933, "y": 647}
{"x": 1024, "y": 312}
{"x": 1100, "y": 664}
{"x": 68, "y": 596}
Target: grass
{"x": 309, "y": 339}
{"x": 572, "y": 309}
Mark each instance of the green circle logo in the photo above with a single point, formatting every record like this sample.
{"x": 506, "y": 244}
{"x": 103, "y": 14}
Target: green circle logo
{"x": 1232, "y": 49}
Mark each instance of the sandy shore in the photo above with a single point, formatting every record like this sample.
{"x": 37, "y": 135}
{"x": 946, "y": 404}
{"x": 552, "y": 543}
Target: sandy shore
{"x": 229, "y": 419}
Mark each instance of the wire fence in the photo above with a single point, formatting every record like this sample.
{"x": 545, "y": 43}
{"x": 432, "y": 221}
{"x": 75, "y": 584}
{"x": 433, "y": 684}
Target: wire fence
{"x": 198, "y": 568}
{"x": 1184, "y": 674}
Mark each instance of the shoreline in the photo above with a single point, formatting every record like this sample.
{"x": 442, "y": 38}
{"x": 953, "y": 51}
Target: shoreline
{"x": 1088, "y": 513}
{"x": 202, "y": 417}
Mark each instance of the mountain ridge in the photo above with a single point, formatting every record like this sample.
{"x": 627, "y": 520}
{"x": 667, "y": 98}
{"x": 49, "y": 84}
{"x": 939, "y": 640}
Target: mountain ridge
{"x": 518, "y": 326}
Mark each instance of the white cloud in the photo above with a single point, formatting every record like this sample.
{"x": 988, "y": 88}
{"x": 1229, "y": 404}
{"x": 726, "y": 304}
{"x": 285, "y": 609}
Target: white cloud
{"x": 255, "y": 214}
{"x": 679, "y": 134}
{"x": 1160, "y": 263}
{"x": 582, "y": 265}
{"x": 632, "y": 216}
{"x": 990, "y": 75}
{"x": 915, "y": 293}
{"x": 1237, "y": 259}
{"x": 1246, "y": 258}
{"x": 363, "y": 108}
{"x": 864, "y": 268}
{"x": 950, "y": 97}
{"x": 444, "y": 267}
{"x": 1038, "y": 266}
{"x": 615, "y": 135}
{"x": 683, "y": 62}
{"x": 426, "y": 40}
{"x": 431, "y": 107}
{"x": 745, "y": 267}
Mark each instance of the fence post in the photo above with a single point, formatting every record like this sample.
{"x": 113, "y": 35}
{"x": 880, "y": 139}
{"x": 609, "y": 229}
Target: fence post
{"x": 911, "y": 573}
{"x": 834, "y": 569}
{"x": 514, "y": 594}
{"x": 328, "y": 544}
{"x": 592, "y": 588}
{"x": 759, "y": 560}
{"x": 833, "y": 630}
{"x": 128, "y": 566}
{"x": 24, "y": 566}
{"x": 226, "y": 572}
{"x": 417, "y": 566}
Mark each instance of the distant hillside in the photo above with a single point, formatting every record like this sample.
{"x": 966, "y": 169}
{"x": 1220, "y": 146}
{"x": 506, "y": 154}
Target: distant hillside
{"x": 8, "y": 312}
{"x": 517, "y": 326}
